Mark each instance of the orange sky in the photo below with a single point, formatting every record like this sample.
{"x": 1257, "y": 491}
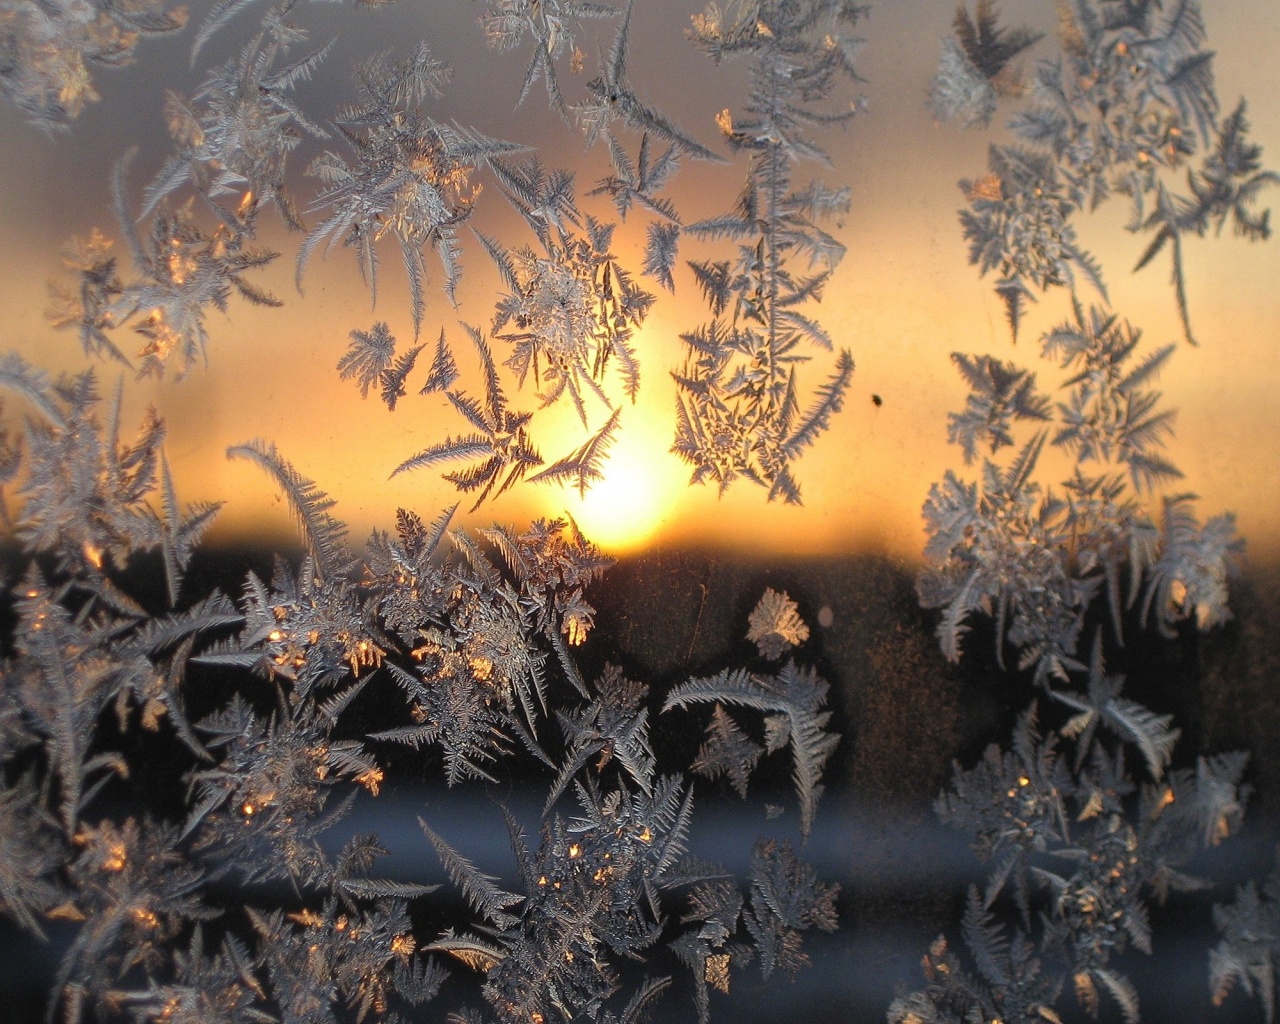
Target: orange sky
{"x": 902, "y": 301}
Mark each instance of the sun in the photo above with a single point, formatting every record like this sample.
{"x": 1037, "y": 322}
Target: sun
{"x": 635, "y": 500}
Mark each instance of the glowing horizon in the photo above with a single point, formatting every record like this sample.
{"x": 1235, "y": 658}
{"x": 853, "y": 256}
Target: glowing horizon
{"x": 904, "y": 298}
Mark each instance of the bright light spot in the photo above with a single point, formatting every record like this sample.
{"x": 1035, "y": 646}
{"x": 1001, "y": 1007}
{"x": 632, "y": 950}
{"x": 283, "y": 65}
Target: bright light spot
{"x": 641, "y": 484}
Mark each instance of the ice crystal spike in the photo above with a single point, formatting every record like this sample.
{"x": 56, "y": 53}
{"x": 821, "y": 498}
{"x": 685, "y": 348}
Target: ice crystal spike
{"x": 393, "y": 377}
{"x": 323, "y": 535}
{"x": 444, "y": 371}
{"x": 581, "y": 468}
{"x": 485, "y": 898}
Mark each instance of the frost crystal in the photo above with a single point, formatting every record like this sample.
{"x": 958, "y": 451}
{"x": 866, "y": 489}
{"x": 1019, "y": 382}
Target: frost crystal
{"x": 409, "y": 176}
{"x": 775, "y": 625}
{"x": 50, "y": 49}
{"x": 738, "y": 405}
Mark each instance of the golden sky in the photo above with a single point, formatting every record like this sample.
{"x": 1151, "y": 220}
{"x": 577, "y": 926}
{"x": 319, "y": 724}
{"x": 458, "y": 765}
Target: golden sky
{"x": 902, "y": 301}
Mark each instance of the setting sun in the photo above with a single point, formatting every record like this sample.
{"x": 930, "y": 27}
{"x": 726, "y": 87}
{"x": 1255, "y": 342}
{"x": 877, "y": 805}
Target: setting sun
{"x": 642, "y": 482}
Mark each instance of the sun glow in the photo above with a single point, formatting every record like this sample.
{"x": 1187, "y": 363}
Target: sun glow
{"x": 641, "y": 485}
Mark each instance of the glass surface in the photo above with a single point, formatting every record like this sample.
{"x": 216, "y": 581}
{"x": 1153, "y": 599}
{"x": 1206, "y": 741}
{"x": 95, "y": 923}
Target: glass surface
{"x": 692, "y": 563}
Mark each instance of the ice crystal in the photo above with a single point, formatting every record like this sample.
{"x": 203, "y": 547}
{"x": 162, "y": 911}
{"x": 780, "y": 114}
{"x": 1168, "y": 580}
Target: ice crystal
{"x": 1247, "y": 953}
{"x": 613, "y": 98}
{"x": 1125, "y": 104}
{"x": 571, "y": 309}
{"x": 87, "y": 496}
{"x": 1019, "y": 224}
{"x": 960, "y": 92}
{"x": 206, "y": 988}
{"x": 368, "y": 357}
{"x": 185, "y": 269}
{"x": 1007, "y": 547}
{"x": 235, "y": 135}
{"x": 409, "y": 175}
{"x": 1010, "y": 985}
{"x": 727, "y": 751}
{"x": 775, "y": 625}
{"x": 134, "y": 892}
{"x": 553, "y": 564}
{"x": 1075, "y": 843}
{"x": 738, "y": 406}
{"x": 795, "y": 698}
{"x": 786, "y": 898}
{"x": 1189, "y": 579}
{"x": 976, "y": 67}
{"x": 1226, "y": 187}
{"x": 51, "y": 49}
{"x": 550, "y": 25}
{"x": 1001, "y": 392}
{"x": 498, "y": 437}
{"x": 481, "y": 648}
